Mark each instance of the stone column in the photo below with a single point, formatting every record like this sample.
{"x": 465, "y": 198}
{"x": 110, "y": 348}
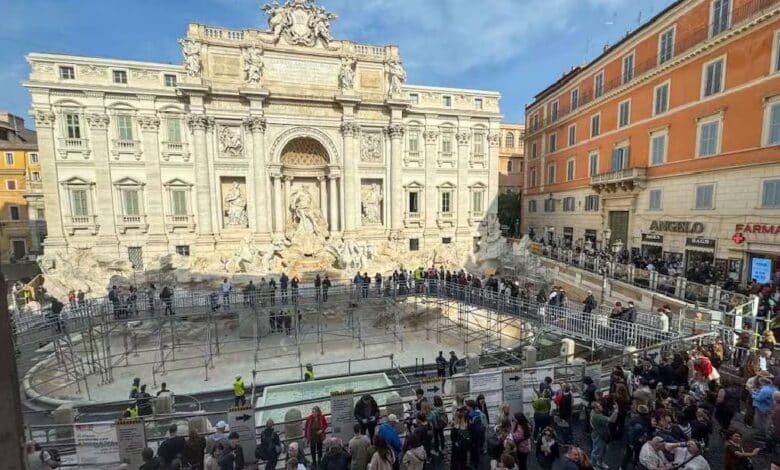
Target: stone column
{"x": 431, "y": 137}
{"x": 335, "y": 226}
{"x": 278, "y": 205}
{"x": 287, "y": 187}
{"x": 199, "y": 123}
{"x": 104, "y": 200}
{"x": 44, "y": 124}
{"x": 396, "y": 132}
{"x": 491, "y": 195}
{"x": 350, "y": 130}
{"x": 257, "y": 126}
{"x": 463, "y": 159}
{"x": 153, "y": 192}
{"x": 323, "y": 183}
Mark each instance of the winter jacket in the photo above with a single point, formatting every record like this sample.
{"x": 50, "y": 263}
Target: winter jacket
{"x": 414, "y": 459}
{"x": 390, "y": 435}
{"x": 323, "y": 427}
{"x": 335, "y": 459}
{"x": 232, "y": 458}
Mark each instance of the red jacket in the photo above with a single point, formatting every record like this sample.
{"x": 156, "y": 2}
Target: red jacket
{"x": 307, "y": 426}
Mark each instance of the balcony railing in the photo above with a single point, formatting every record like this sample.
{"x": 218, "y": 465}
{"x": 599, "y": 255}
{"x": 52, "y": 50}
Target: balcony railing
{"x": 445, "y": 219}
{"x": 81, "y": 222}
{"x": 626, "y": 178}
{"x": 173, "y": 222}
{"x": 126, "y": 222}
{"x": 170, "y": 149}
{"x": 413, "y": 219}
{"x": 684, "y": 42}
{"x": 68, "y": 145}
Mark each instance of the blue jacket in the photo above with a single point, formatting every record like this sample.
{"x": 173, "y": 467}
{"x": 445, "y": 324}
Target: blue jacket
{"x": 388, "y": 433}
{"x": 762, "y": 399}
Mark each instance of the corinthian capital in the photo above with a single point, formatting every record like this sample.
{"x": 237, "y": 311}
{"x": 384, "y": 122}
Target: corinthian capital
{"x": 98, "y": 121}
{"x": 200, "y": 122}
{"x": 255, "y": 123}
{"x": 43, "y": 118}
{"x": 463, "y": 138}
{"x": 494, "y": 140}
{"x": 430, "y": 136}
{"x": 396, "y": 131}
{"x": 149, "y": 123}
{"x": 350, "y": 128}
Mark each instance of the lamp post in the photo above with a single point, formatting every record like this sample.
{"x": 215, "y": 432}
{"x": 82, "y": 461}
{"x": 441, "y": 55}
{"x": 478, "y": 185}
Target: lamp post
{"x": 604, "y": 269}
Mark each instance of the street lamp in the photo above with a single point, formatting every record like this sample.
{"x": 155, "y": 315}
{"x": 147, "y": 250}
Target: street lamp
{"x": 605, "y": 246}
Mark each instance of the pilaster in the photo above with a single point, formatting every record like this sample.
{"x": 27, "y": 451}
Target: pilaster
{"x": 494, "y": 142}
{"x": 199, "y": 123}
{"x": 396, "y": 132}
{"x": 350, "y": 130}
{"x": 257, "y": 125}
{"x": 104, "y": 198}
{"x": 431, "y": 137}
{"x": 153, "y": 195}
{"x": 44, "y": 124}
{"x": 464, "y": 155}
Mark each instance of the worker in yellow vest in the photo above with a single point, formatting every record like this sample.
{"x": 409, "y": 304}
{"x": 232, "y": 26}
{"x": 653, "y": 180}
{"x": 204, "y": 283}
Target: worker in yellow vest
{"x": 239, "y": 391}
{"x": 131, "y": 411}
{"x": 308, "y": 375}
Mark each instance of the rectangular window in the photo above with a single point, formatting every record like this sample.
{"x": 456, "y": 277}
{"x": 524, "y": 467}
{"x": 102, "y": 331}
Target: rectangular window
{"x": 130, "y": 200}
{"x": 666, "y": 46}
{"x": 654, "y": 203}
{"x": 620, "y": 158}
{"x": 593, "y": 164}
{"x": 174, "y": 130}
{"x": 170, "y": 80}
{"x": 661, "y": 99}
{"x": 572, "y": 135}
{"x": 414, "y": 202}
{"x": 414, "y": 244}
{"x": 533, "y": 177}
{"x": 10, "y": 185}
{"x": 712, "y": 82}
{"x": 479, "y": 144}
{"x": 554, "y": 110}
{"x": 532, "y": 206}
{"x": 478, "y": 104}
{"x": 568, "y": 204}
{"x": 67, "y": 72}
{"x": 628, "y": 68}
{"x": 35, "y": 175}
{"x": 78, "y": 202}
{"x": 770, "y": 197}
{"x": 446, "y": 202}
{"x": 533, "y": 151}
{"x": 709, "y": 138}
{"x": 704, "y": 196}
{"x": 549, "y": 205}
{"x": 552, "y": 143}
{"x": 624, "y": 113}
{"x": 721, "y": 16}
{"x": 570, "y": 169}
{"x": 551, "y": 173}
{"x": 120, "y": 76}
{"x": 575, "y": 98}
{"x": 598, "y": 85}
{"x": 446, "y": 101}
{"x": 773, "y": 125}
{"x": 509, "y": 166}
{"x": 446, "y": 143}
{"x": 72, "y": 126}
{"x": 536, "y": 121}
{"x": 776, "y": 53}
{"x": 592, "y": 203}
{"x": 9, "y": 158}
{"x": 183, "y": 250}
{"x": 476, "y": 201}
{"x": 446, "y": 240}
{"x": 124, "y": 127}
{"x": 595, "y": 125}
{"x": 33, "y": 157}
{"x": 414, "y": 98}
{"x": 179, "y": 202}
{"x": 14, "y": 212}
{"x": 414, "y": 142}
{"x": 658, "y": 148}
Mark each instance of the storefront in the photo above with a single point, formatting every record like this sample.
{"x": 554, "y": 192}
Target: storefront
{"x": 568, "y": 237}
{"x": 763, "y": 266}
{"x": 761, "y": 245}
{"x": 652, "y": 245}
{"x": 590, "y": 236}
{"x": 699, "y": 251}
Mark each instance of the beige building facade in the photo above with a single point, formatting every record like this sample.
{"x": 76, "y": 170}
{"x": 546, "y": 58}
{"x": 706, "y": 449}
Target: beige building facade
{"x": 282, "y": 137}
{"x": 510, "y": 155}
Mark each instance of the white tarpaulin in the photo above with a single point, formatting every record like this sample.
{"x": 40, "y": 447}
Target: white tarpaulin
{"x": 490, "y": 385}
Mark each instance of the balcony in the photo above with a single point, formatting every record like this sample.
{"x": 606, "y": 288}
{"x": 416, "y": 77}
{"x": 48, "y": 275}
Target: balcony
{"x": 478, "y": 159}
{"x": 475, "y": 217}
{"x": 173, "y": 222}
{"x": 87, "y": 223}
{"x": 175, "y": 149}
{"x": 67, "y": 146}
{"x": 622, "y": 180}
{"x": 126, "y": 147}
{"x": 413, "y": 156}
{"x": 413, "y": 219}
{"x": 131, "y": 222}
{"x": 445, "y": 219}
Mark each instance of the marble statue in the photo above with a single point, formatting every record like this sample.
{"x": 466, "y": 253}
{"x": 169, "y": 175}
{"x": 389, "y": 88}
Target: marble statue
{"x": 397, "y": 76}
{"x": 372, "y": 204}
{"x": 269, "y": 255}
{"x": 191, "y": 51}
{"x": 491, "y": 243}
{"x": 253, "y": 65}
{"x": 347, "y": 74}
{"x": 235, "y": 204}
{"x": 299, "y": 22}
{"x": 351, "y": 255}
{"x": 81, "y": 269}
{"x": 306, "y": 229}
{"x": 230, "y": 141}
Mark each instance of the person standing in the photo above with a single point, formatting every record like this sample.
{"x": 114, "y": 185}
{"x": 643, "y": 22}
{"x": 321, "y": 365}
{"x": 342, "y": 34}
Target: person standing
{"x": 441, "y": 365}
{"x": 461, "y": 441}
{"x": 453, "y": 363}
{"x": 151, "y": 296}
{"x": 232, "y": 457}
{"x": 599, "y": 434}
{"x": 294, "y": 286}
{"x": 135, "y": 388}
{"x": 317, "y": 287}
{"x": 239, "y": 392}
{"x": 314, "y": 432}
{"x": 359, "y": 449}
{"x": 226, "y": 288}
{"x": 308, "y": 375}
{"x": 167, "y": 298}
{"x": 476, "y": 430}
{"x": 172, "y": 447}
{"x": 384, "y": 457}
{"x": 283, "y": 280}
{"x": 367, "y": 414}
{"x": 194, "y": 451}
{"x": 590, "y": 303}
{"x": 325, "y": 286}
{"x": 270, "y": 446}
{"x": 144, "y": 402}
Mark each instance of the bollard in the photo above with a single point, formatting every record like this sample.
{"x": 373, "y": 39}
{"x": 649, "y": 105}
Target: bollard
{"x": 529, "y": 356}
{"x": 293, "y": 429}
{"x": 64, "y": 415}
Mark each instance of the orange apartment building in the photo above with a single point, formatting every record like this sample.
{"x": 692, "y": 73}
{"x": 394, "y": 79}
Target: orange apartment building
{"x": 510, "y": 158}
{"x": 668, "y": 143}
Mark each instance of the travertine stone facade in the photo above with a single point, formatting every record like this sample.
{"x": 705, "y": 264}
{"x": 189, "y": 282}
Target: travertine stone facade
{"x": 254, "y": 127}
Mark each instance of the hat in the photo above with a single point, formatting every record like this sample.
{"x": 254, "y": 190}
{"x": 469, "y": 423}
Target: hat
{"x": 392, "y": 418}
{"x": 221, "y": 425}
{"x": 642, "y": 409}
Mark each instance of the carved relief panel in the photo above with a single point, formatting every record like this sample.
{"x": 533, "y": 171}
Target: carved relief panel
{"x": 371, "y": 145}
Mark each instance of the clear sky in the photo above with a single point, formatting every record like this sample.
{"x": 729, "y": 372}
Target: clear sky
{"x": 516, "y": 47}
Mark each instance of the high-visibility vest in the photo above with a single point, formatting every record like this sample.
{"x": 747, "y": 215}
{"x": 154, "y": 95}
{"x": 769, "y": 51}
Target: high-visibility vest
{"x": 133, "y": 411}
{"x": 238, "y": 388}
{"x": 308, "y": 376}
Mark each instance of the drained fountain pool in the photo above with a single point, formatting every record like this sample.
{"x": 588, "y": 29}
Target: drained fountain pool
{"x": 291, "y": 393}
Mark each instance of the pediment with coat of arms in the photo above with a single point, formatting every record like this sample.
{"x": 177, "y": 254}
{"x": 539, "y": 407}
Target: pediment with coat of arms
{"x": 299, "y": 22}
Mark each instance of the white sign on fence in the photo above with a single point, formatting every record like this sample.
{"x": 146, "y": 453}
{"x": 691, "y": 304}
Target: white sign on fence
{"x": 131, "y": 437}
{"x": 96, "y": 444}
{"x": 490, "y": 385}
{"x": 242, "y": 421}
{"x": 342, "y": 414}
{"x": 513, "y": 389}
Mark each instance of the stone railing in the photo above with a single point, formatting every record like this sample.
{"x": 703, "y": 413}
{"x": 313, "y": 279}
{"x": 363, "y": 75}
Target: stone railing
{"x": 81, "y": 222}
{"x": 173, "y": 222}
{"x": 126, "y": 222}
{"x": 371, "y": 51}
{"x": 620, "y": 176}
{"x": 222, "y": 33}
